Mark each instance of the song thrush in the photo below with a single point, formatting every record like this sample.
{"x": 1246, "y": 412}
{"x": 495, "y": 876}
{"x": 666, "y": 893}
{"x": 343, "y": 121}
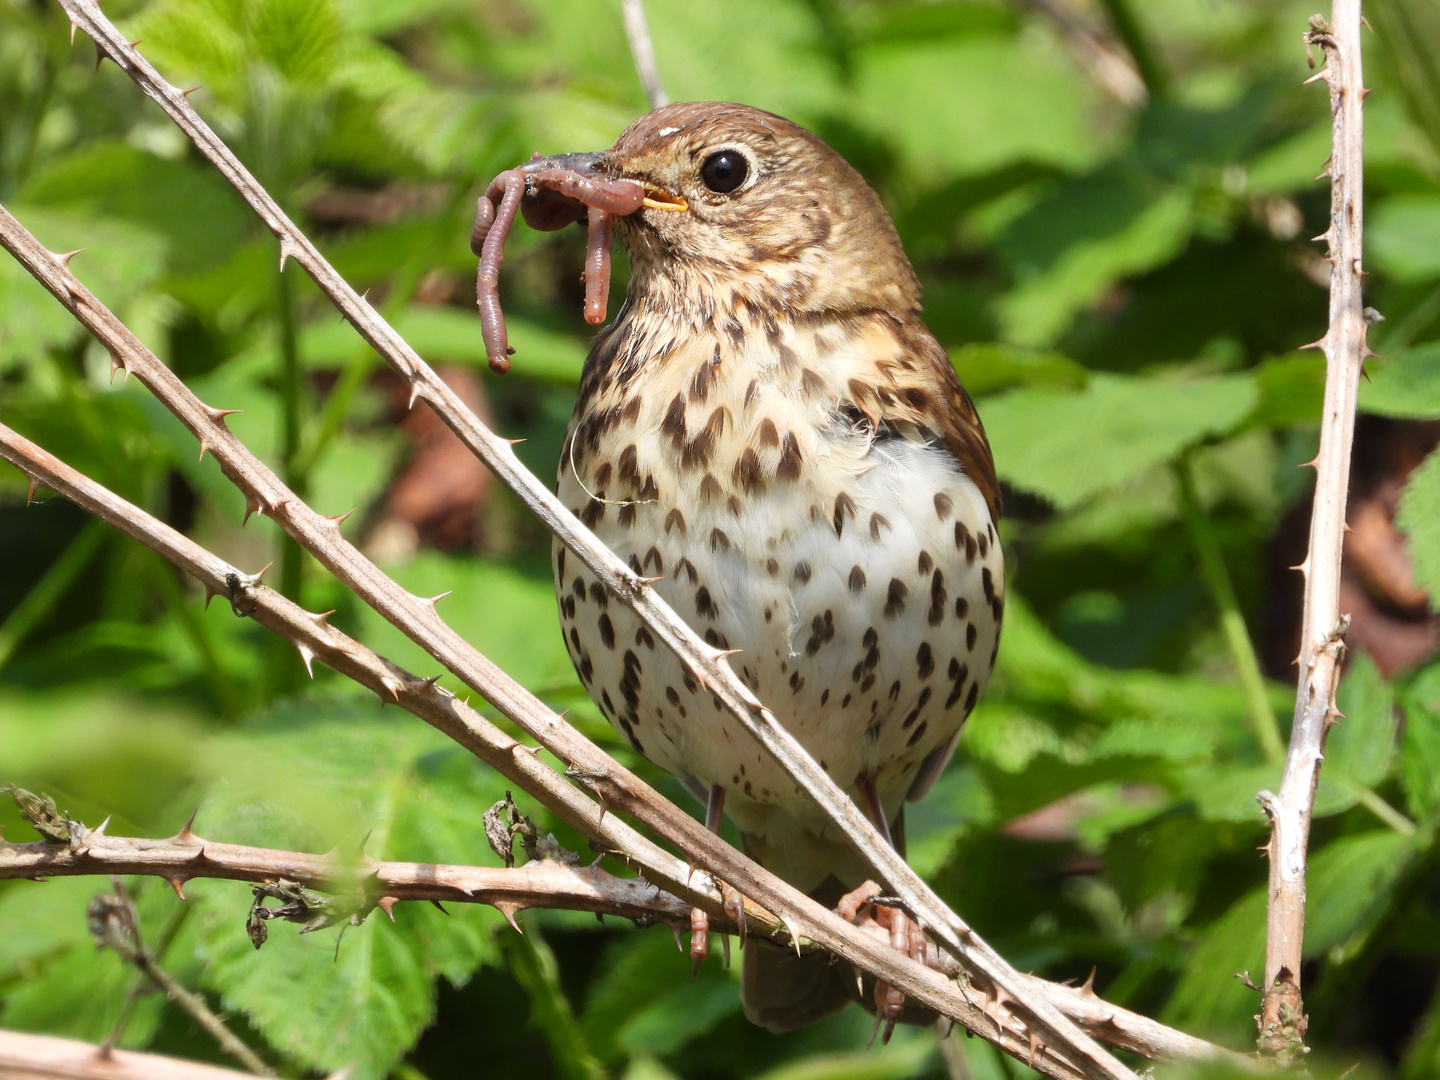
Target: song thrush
{"x": 769, "y": 429}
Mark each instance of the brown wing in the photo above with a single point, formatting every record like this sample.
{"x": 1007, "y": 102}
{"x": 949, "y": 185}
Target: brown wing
{"x": 912, "y": 387}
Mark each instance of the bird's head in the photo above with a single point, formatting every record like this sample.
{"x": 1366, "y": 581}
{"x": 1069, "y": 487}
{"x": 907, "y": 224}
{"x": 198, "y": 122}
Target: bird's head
{"x": 742, "y": 205}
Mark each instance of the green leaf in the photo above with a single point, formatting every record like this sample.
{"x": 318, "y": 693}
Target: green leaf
{"x": 1227, "y": 793}
{"x": 1363, "y": 745}
{"x": 647, "y": 1003}
{"x": 1419, "y": 517}
{"x": 1350, "y": 884}
{"x": 1404, "y": 383}
{"x": 1069, "y": 446}
{"x": 1402, "y": 237}
{"x": 1208, "y": 998}
{"x": 1292, "y": 390}
{"x": 1420, "y": 751}
{"x": 992, "y": 366}
{"x": 318, "y": 775}
{"x": 507, "y": 615}
{"x": 1127, "y": 233}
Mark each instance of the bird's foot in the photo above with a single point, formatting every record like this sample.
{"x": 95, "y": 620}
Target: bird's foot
{"x": 734, "y": 907}
{"x": 866, "y": 909}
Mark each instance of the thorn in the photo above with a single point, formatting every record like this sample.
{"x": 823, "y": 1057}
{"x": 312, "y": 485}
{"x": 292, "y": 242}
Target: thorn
{"x": 391, "y": 684}
{"x": 1318, "y": 343}
{"x": 1034, "y": 1045}
{"x": 252, "y": 505}
{"x": 116, "y": 364}
{"x": 1324, "y": 174}
{"x": 509, "y": 908}
{"x": 136, "y": 42}
{"x": 1088, "y": 989}
{"x": 431, "y": 601}
{"x": 218, "y": 415}
{"x": 100, "y": 57}
{"x": 99, "y": 830}
{"x": 387, "y": 905}
{"x": 320, "y": 617}
{"x": 285, "y": 252}
{"x": 187, "y": 833}
{"x": 339, "y": 519}
{"x": 1323, "y": 73}
{"x": 1366, "y": 91}
{"x": 725, "y": 654}
{"x": 210, "y": 594}
{"x": 440, "y": 907}
{"x": 514, "y": 442}
{"x": 307, "y": 654}
{"x": 64, "y": 257}
{"x": 203, "y": 447}
{"x": 187, "y": 91}
{"x": 255, "y": 577}
{"x": 73, "y": 27}
{"x": 178, "y": 884}
{"x": 1366, "y": 23}
{"x": 794, "y": 937}
{"x": 30, "y": 490}
{"x": 430, "y": 682}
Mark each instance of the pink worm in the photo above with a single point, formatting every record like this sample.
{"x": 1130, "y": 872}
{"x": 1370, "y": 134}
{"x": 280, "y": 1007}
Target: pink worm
{"x": 552, "y": 198}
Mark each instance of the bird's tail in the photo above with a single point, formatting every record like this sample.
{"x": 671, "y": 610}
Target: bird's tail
{"x": 782, "y": 991}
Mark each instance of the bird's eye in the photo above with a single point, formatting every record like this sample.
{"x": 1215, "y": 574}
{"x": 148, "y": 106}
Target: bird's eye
{"x": 724, "y": 171}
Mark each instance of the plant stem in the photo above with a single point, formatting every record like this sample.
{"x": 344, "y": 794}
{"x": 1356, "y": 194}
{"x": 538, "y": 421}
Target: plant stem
{"x": 285, "y": 677}
{"x": 41, "y": 599}
{"x": 1232, "y": 623}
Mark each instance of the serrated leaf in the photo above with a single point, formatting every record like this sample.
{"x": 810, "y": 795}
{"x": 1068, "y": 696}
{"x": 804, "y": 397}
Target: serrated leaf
{"x": 1402, "y": 236}
{"x": 1349, "y": 885}
{"x": 1419, "y": 518}
{"x": 1363, "y": 745}
{"x": 317, "y": 775}
{"x": 1404, "y": 383}
{"x": 1420, "y": 750}
{"x": 1208, "y": 997}
{"x": 1068, "y": 447}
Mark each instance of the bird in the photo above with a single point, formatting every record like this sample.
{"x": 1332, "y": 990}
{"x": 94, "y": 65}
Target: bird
{"x": 768, "y": 430}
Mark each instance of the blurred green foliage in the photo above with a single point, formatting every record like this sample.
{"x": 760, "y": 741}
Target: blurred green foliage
{"x": 1122, "y": 289}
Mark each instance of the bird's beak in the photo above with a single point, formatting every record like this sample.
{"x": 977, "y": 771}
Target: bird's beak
{"x": 589, "y": 164}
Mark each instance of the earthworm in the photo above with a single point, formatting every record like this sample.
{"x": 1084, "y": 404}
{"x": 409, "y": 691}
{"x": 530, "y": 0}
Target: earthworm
{"x": 549, "y": 198}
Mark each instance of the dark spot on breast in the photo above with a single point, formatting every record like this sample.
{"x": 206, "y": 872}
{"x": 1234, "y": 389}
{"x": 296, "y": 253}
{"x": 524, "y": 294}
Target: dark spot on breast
{"x": 629, "y": 470}
{"x": 578, "y": 588}
{"x": 962, "y": 607}
{"x": 987, "y": 582}
{"x": 704, "y": 377}
{"x": 872, "y": 731}
{"x": 649, "y": 493}
{"x": 626, "y": 518}
{"x": 560, "y": 565}
{"x": 687, "y": 568}
{"x": 644, "y": 637}
{"x": 822, "y": 631}
{"x": 925, "y": 660}
{"x": 769, "y": 614}
{"x": 719, "y": 541}
{"x": 878, "y": 522}
{"x": 675, "y": 520}
{"x": 631, "y": 412}
{"x": 602, "y": 475}
{"x": 797, "y": 682}
{"x": 754, "y": 386}
{"x": 710, "y": 487}
{"x": 895, "y": 598}
{"x": 772, "y": 566}
{"x": 811, "y": 382}
{"x": 971, "y": 697}
{"x": 866, "y": 685}
{"x": 895, "y": 690}
{"x": 607, "y": 631}
{"x": 594, "y": 511}
{"x": 938, "y": 594}
{"x": 984, "y": 545}
{"x": 802, "y": 571}
{"x": 747, "y": 474}
{"x": 970, "y": 635}
{"x": 653, "y": 559}
{"x": 844, "y": 504}
{"x": 600, "y": 595}
{"x": 857, "y": 579}
{"x": 924, "y": 564}
{"x": 918, "y": 733}
{"x": 964, "y": 541}
{"x": 768, "y": 435}
{"x": 943, "y": 505}
{"x": 674, "y": 422}
{"x": 789, "y": 466}
{"x": 845, "y": 701}
{"x": 704, "y": 605}
{"x": 917, "y": 398}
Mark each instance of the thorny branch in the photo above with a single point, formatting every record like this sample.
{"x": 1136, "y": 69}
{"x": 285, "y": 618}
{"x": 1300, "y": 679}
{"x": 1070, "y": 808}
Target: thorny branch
{"x": 316, "y": 639}
{"x": 543, "y": 883}
{"x": 704, "y": 661}
{"x": 1322, "y": 648}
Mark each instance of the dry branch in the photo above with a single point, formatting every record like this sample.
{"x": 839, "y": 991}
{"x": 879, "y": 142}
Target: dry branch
{"x": 45, "y": 1057}
{"x": 316, "y": 638}
{"x": 1282, "y": 1019}
{"x": 642, "y": 52}
{"x": 704, "y": 661}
